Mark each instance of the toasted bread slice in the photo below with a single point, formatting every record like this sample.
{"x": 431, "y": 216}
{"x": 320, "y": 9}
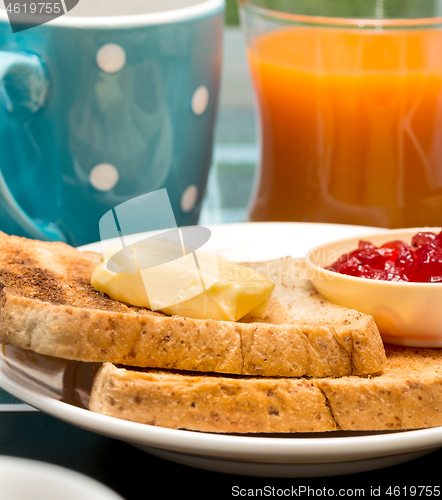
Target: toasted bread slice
{"x": 48, "y": 304}
{"x": 408, "y": 395}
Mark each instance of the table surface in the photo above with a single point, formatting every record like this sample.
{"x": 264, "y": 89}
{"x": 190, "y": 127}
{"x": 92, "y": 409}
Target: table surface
{"x": 134, "y": 474}
{"x": 25, "y": 432}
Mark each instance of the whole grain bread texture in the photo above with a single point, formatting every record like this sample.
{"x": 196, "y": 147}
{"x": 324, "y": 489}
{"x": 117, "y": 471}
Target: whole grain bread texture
{"x": 407, "y": 395}
{"x": 47, "y": 304}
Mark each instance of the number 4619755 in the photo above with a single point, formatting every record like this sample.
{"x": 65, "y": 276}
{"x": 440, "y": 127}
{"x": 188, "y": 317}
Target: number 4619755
{"x": 34, "y": 8}
{"x": 413, "y": 491}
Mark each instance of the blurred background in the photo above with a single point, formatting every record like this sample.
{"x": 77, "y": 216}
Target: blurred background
{"x": 236, "y": 153}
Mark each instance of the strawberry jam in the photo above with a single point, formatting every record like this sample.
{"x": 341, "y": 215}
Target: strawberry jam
{"x": 421, "y": 261}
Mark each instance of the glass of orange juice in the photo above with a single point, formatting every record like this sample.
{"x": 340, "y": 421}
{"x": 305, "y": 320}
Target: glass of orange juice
{"x": 349, "y": 105}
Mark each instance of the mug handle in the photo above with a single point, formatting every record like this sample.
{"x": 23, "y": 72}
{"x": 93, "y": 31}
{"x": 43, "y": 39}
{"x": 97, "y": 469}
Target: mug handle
{"x": 26, "y": 95}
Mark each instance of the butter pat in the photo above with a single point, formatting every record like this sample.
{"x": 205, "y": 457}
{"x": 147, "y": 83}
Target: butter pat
{"x": 166, "y": 277}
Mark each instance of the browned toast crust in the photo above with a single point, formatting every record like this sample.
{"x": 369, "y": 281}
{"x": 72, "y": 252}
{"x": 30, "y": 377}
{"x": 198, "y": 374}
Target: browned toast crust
{"x": 408, "y": 395}
{"x": 48, "y": 304}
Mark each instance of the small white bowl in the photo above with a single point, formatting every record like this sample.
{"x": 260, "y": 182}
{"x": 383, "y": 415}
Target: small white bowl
{"x": 406, "y": 313}
{"x": 22, "y": 478}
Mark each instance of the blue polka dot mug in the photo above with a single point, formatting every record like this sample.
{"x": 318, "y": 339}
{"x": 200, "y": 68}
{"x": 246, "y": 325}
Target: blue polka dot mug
{"x": 103, "y": 104}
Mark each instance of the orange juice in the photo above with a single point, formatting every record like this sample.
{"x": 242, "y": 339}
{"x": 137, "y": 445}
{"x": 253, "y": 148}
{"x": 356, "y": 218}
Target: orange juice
{"x": 350, "y": 125}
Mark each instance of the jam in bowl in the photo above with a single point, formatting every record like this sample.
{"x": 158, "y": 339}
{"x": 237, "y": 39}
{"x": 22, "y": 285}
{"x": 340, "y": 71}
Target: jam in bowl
{"x": 393, "y": 275}
{"x": 419, "y": 261}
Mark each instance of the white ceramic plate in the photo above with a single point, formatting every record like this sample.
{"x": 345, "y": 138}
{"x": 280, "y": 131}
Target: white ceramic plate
{"x": 61, "y": 388}
{"x": 22, "y": 478}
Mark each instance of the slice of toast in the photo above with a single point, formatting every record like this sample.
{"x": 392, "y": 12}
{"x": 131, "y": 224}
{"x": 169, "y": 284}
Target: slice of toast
{"x": 408, "y": 395}
{"x": 47, "y": 304}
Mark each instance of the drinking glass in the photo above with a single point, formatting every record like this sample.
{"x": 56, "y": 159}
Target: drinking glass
{"x": 349, "y": 106}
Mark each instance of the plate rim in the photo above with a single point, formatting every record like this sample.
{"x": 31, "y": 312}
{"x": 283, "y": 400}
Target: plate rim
{"x": 365, "y": 230}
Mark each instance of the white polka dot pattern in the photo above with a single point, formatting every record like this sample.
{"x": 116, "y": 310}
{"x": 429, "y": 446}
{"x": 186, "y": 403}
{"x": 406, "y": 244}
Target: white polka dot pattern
{"x": 189, "y": 198}
{"x": 111, "y": 58}
{"x": 200, "y": 100}
{"x": 104, "y": 177}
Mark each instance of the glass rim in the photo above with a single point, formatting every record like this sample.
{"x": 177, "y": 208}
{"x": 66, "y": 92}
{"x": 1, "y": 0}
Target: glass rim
{"x": 351, "y": 22}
